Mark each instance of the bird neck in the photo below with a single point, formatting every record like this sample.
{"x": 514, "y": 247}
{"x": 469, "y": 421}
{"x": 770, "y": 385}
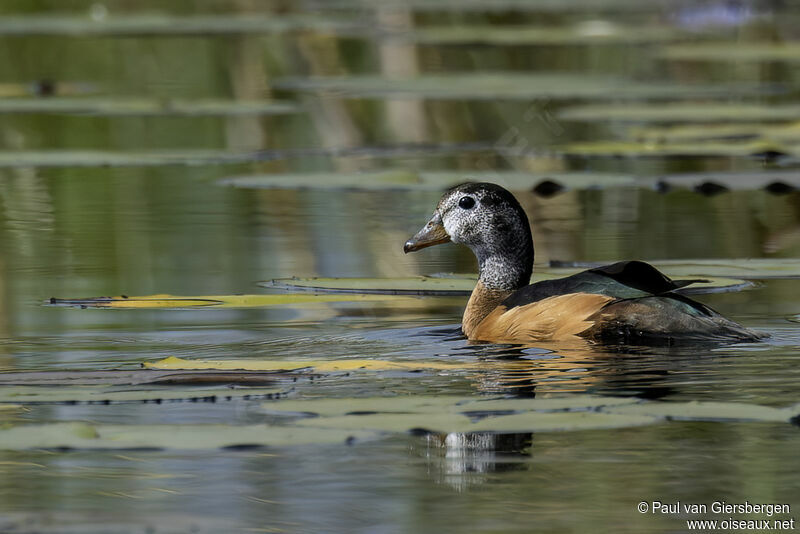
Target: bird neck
{"x": 503, "y": 268}
{"x": 506, "y": 266}
{"x": 481, "y": 303}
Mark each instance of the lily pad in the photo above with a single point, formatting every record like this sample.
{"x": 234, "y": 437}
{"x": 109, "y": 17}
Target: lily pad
{"x": 425, "y": 180}
{"x": 470, "y": 414}
{"x": 585, "y": 33}
{"x": 506, "y": 86}
{"x": 134, "y": 394}
{"x": 45, "y": 88}
{"x": 139, "y": 377}
{"x": 731, "y": 148}
{"x": 744, "y": 268}
{"x": 581, "y": 6}
{"x": 322, "y": 366}
{"x": 735, "y": 180}
{"x": 101, "y": 158}
{"x": 98, "y": 158}
{"x": 415, "y": 285}
{"x": 78, "y": 435}
{"x": 708, "y": 411}
{"x": 141, "y": 106}
{"x": 167, "y": 25}
{"x": 440, "y": 285}
{"x": 687, "y": 112}
{"x": 736, "y": 51}
{"x": 779, "y": 133}
{"x": 216, "y": 301}
{"x": 438, "y": 404}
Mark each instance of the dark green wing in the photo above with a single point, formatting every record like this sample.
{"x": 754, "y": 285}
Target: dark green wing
{"x": 645, "y": 306}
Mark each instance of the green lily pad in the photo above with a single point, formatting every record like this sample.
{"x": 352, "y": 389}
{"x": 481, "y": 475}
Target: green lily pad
{"x": 505, "y": 85}
{"x": 586, "y": 33}
{"x": 707, "y": 411}
{"x": 133, "y": 394}
{"x": 779, "y": 133}
{"x": 558, "y": 6}
{"x": 470, "y": 414}
{"x": 148, "y": 158}
{"x": 141, "y": 106}
{"x": 736, "y": 51}
{"x": 140, "y": 377}
{"x": 744, "y": 268}
{"x": 441, "y": 285}
{"x": 45, "y": 88}
{"x": 718, "y": 148}
{"x": 414, "y": 285}
{"x": 78, "y": 435}
{"x": 424, "y": 180}
{"x": 167, "y": 25}
{"x": 438, "y": 404}
{"x": 687, "y": 112}
{"x": 101, "y": 158}
{"x": 735, "y": 180}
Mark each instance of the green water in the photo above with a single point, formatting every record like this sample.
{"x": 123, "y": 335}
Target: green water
{"x": 86, "y": 230}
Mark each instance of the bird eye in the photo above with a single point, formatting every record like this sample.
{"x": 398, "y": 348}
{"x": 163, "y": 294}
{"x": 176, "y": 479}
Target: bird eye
{"x": 466, "y": 203}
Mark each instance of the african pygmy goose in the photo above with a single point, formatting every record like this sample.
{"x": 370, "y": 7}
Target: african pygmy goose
{"x": 626, "y": 302}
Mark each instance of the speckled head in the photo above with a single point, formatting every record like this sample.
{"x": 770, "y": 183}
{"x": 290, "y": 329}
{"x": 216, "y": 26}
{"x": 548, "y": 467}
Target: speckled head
{"x": 489, "y": 220}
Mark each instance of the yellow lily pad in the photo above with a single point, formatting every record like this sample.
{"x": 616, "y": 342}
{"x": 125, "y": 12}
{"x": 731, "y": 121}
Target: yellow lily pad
{"x": 322, "y": 366}
{"x": 218, "y": 301}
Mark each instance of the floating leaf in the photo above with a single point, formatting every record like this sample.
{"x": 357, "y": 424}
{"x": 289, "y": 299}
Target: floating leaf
{"x": 100, "y": 158}
{"x": 587, "y": 33}
{"x": 745, "y": 268}
{"x": 139, "y": 377}
{"x": 45, "y": 88}
{"x": 437, "y": 285}
{"x": 141, "y": 106}
{"x": 426, "y": 180}
{"x": 736, "y": 51}
{"x": 322, "y": 366}
{"x": 142, "y": 393}
{"x": 708, "y": 411}
{"x": 505, "y": 85}
{"x": 717, "y": 148}
{"x": 691, "y": 112}
{"x": 612, "y": 7}
{"x": 415, "y": 285}
{"x": 217, "y": 301}
{"x": 458, "y": 414}
{"x": 769, "y": 180}
{"x": 167, "y": 25}
{"x": 779, "y": 133}
{"x": 76, "y": 435}
{"x": 422, "y": 404}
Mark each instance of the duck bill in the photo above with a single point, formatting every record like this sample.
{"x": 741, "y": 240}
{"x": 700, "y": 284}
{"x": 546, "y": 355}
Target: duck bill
{"x": 431, "y": 234}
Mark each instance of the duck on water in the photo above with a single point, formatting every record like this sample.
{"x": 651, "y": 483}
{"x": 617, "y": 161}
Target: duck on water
{"x": 626, "y": 302}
